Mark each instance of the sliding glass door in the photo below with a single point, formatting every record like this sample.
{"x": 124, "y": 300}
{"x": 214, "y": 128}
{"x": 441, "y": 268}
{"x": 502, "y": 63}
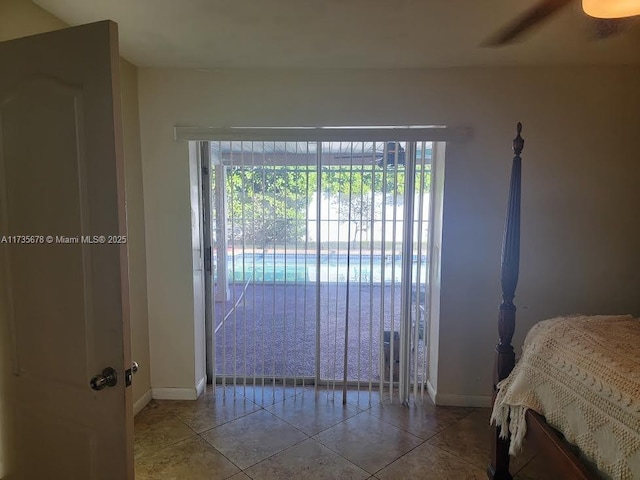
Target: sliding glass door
{"x": 320, "y": 262}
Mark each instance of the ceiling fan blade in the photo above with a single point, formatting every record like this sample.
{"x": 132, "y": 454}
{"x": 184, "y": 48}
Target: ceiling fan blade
{"x": 532, "y": 17}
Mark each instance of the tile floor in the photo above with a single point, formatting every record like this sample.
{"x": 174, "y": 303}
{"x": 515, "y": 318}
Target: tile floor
{"x": 303, "y": 434}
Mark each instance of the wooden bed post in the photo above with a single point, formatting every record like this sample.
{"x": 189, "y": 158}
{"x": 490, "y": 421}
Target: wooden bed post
{"x": 504, "y": 354}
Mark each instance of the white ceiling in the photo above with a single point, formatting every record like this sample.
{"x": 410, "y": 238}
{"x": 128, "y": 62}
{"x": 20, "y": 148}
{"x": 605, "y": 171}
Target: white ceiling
{"x": 340, "y": 33}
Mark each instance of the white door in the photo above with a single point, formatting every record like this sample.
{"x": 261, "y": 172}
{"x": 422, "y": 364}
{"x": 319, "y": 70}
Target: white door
{"x": 63, "y": 268}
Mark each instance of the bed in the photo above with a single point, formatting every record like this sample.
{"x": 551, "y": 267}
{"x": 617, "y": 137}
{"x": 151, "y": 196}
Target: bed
{"x": 574, "y": 395}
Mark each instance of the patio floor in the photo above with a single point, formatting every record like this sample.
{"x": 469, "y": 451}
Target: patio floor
{"x": 271, "y": 331}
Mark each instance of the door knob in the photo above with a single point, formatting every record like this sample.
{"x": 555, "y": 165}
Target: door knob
{"x": 108, "y": 378}
{"x": 134, "y": 367}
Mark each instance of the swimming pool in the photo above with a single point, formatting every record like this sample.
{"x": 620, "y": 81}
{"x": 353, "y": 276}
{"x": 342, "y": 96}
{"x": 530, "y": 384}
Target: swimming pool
{"x": 302, "y": 268}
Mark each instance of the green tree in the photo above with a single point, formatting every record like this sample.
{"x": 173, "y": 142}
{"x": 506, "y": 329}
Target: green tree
{"x": 360, "y": 194}
{"x": 268, "y": 204}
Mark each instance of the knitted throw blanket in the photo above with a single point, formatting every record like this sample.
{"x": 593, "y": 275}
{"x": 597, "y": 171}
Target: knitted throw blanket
{"x": 582, "y": 374}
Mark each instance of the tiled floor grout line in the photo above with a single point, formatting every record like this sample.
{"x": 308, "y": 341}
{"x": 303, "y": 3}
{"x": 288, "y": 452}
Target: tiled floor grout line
{"x": 458, "y": 456}
{"x": 401, "y": 456}
{"x": 451, "y": 453}
{"x": 246, "y": 468}
{"x": 312, "y": 437}
{"x": 345, "y": 458}
{"x": 319, "y": 432}
{"x": 230, "y": 420}
{"x": 171, "y": 444}
{"x": 223, "y": 455}
{"x": 273, "y": 455}
{"x": 367, "y": 411}
{"x": 199, "y": 434}
{"x": 423, "y": 441}
{"x": 341, "y": 456}
{"x": 315, "y": 397}
{"x": 266, "y": 458}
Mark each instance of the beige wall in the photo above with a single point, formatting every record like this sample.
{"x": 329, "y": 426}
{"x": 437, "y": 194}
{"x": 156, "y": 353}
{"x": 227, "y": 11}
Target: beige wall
{"x": 136, "y": 241}
{"x": 20, "y": 18}
{"x": 580, "y": 194}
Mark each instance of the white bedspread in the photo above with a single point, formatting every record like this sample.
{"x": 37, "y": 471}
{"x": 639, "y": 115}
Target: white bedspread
{"x": 583, "y": 375}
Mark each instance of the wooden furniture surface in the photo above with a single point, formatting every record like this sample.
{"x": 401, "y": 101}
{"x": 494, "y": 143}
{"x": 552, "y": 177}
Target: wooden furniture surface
{"x": 546, "y": 440}
{"x": 550, "y": 444}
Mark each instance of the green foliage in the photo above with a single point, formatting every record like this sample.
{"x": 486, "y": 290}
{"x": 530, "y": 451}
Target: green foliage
{"x": 269, "y": 204}
{"x": 351, "y": 191}
{"x": 361, "y": 180}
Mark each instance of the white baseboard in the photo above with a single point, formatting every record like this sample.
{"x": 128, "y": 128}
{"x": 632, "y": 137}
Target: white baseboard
{"x": 174, "y": 393}
{"x": 453, "y": 400}
{"x": 141, "y": 402}
{"x": 201, "y": 386}
{"x": 431, "y": 391}
{"x": 179, "y": 393}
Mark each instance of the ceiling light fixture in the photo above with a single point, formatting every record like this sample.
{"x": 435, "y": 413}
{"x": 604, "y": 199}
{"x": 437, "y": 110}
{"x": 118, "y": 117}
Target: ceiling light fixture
{"x": 611, "y": 8}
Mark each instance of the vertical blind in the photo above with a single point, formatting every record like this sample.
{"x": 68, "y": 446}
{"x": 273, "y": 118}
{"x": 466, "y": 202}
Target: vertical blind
{"x": 320, "y": 264}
